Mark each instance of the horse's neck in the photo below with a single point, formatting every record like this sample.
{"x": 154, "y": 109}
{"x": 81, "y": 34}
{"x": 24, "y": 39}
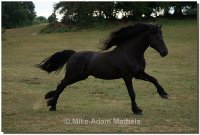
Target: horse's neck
{"x": 137, "y": 46}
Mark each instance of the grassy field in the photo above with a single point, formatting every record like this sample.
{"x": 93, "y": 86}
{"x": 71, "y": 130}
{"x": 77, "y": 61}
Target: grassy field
{"x": 24, "y": 86}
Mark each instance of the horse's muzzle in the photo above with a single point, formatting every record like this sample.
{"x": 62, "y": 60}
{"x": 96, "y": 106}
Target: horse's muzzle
{"x": 164, "y": 53}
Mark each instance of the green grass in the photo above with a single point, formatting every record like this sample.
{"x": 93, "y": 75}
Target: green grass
{"x": 24, "y": 86}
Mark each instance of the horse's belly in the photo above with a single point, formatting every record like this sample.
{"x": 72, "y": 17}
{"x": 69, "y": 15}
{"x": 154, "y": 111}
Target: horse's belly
{"x": 106, "y": 77}
{"x": 104, "y": 66}
{"x": 106, "y": 74}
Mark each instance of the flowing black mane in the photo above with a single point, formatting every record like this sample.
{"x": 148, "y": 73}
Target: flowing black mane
{"x": 125, "y": 33}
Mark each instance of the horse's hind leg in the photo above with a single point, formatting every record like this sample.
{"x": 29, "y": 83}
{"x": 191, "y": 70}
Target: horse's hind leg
{"x": 52, "y": 96}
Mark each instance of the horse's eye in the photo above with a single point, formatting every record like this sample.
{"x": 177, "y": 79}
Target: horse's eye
{"x": 157, "y": 38}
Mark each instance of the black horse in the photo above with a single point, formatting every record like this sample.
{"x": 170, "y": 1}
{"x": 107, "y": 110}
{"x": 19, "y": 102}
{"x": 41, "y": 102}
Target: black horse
{"x": 125, "y": 61}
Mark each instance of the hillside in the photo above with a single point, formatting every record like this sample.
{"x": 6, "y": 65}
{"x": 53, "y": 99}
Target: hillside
{"x": 24, "y": 86}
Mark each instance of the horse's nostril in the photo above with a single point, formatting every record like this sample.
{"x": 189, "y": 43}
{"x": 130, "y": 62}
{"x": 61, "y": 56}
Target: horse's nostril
{"x": 164, "y": 53}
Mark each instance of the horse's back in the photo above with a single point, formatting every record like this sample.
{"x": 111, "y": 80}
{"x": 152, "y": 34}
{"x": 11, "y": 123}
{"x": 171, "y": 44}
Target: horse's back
{"x": 79, "y": 61}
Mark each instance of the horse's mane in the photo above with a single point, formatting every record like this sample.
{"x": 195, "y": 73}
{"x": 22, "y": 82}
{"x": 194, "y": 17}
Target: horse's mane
{"x": 124, "y": 34}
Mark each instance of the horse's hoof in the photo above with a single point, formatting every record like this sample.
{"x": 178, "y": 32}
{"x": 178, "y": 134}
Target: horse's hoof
{"x": 52, "y": 108}
{"x": 138, "y": 111}
{"x": 50, "y": 94}
{"x": 164, "y": 96}
{"x": 50, "y": 102}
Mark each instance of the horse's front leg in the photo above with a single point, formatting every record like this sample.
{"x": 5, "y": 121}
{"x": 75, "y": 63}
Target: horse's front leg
{"x": 128, "y": 82}
{"x": 144, "y": 76}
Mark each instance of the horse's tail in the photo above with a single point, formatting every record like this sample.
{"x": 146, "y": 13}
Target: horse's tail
{"x": 56, "y": 61}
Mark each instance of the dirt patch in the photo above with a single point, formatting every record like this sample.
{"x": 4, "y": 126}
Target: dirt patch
{"x": 34, "y": 81}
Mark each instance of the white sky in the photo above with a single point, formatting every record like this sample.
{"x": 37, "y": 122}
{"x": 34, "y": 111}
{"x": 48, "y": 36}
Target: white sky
{"x": 44, "y": 8}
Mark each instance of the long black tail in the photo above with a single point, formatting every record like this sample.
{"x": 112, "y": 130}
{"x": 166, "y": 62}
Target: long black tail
{"x": 56, "y": 61}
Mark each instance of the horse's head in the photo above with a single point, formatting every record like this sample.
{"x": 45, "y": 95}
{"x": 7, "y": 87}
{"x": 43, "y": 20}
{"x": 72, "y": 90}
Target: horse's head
{"x": 156, "y": 40}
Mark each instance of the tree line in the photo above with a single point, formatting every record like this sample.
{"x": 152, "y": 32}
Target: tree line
{"x": 84, "y": 13}
{"x": 18, "y": 14}
{"x": 15, "y": 14}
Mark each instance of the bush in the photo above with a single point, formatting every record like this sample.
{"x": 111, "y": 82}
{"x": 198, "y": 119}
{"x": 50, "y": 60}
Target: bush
{"x": 39, "y": 20}
{"x": 56, "y": 27}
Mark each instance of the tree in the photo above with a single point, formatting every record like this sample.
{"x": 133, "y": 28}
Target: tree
{"x": 134, "y": 10}
{"x": 16, "y": 14}
{"x": 180, "y": 8}
{"x": 85, "y": 13}
{"x": 88, "y": 13}
{"x": 52, "y": 18}
{"x": 40, "y": 19}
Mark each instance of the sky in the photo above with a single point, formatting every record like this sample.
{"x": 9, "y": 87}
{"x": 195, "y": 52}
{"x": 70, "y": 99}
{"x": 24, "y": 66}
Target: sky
{"x": 44, "y": 8}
